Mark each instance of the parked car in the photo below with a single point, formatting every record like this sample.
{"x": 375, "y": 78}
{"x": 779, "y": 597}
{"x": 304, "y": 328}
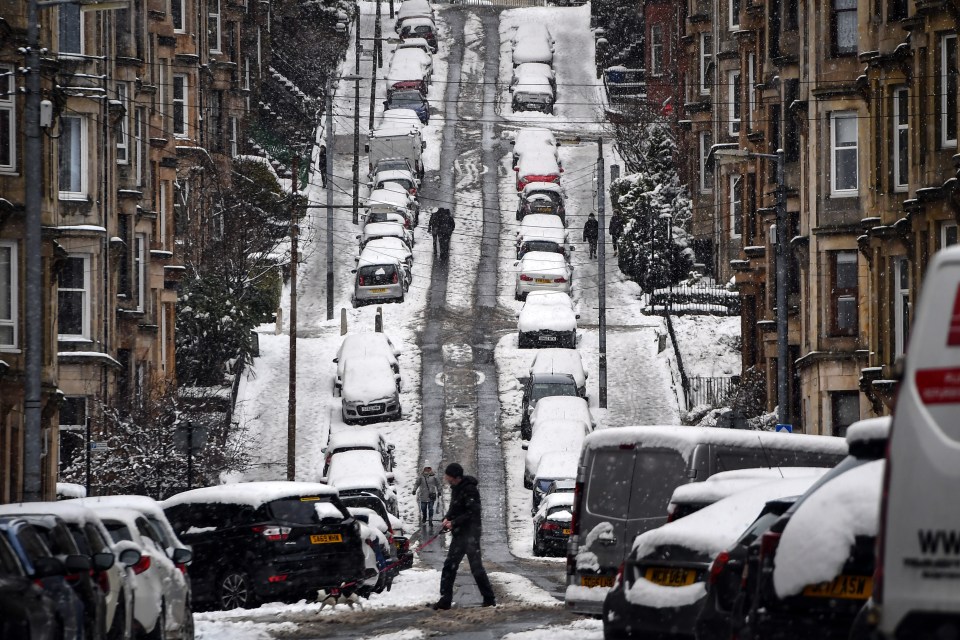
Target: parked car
{"x": 534, "y": 69}
{"x": 161, "y": 606}
{"x": 420, "y": 28}
{"x": 409, "y": 69}
{"x": 542, "y": 198}
{"x": 370, "y": 391}
{"x": 545, "y": 233}
{"x": 533, "y": 92}
{"x": 379, "y": 278}
{"x": 553, "y": 408}
{"x": 403, "y": 177}
{"x": 652, "y": 462}
{"x": 561, "y": 361}
{"x": 537, "y": 167}
{"x": 532, "y": 42}
{"x": 554, "y": 466}
{"x": 48, "y": 572}
{"x": 543, "y": 385}
{"x": 398, "y": 530}
{"x": 547, "y": 318}
{"x": 396, "y": 248}
{"x": 416, "y": 43}
{"x": 27, "y": 610}
{"x": 534, "y": 141}
{"x": 561, "y": 486}
{"x": 542, "y": 271}
{"x": 390, "y": 201}
{"x": 359, "y": 440}
{"x": 262, "y": 541}
{"x": 376, "y": 557}
{"x": 403, "y": 120}
{"x": 409, "y": 99}
{"x": 353, "y": 463}
{"x": 551, "y": 524}
{"x": 362, "y": 345}
{"x": 414, "y": 9}
{"x": 660, "y": 588}
{"x": 375, "y": 230}
{"x": 555, "y": 436}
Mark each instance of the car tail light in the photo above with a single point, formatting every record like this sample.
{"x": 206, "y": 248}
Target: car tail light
{"x": 413, "y": 191}
{"x": 561, "y": 279}
{"x": 768, "y": 544}
{"x": 619, "y": 577}
{"x": 575, "y": 519}
{"x": 395, "y": 278}
{"x": 550, "y": 526}
{"x": 362, "y": 283}
{"x": 280, "y": 578}
{"x": 103, "y": 581}
{"x": 881, "y": 531}
{"x": 671, "y": 512}
{"x": 142, "y": 565}
{"x": 525, "y": 278}
{"x": 273, "y": 534}
{"x": 719, "y": 563}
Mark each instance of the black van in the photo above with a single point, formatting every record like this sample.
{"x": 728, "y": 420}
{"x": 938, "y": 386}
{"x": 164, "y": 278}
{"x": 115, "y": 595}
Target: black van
{"x": 262, "y": 541}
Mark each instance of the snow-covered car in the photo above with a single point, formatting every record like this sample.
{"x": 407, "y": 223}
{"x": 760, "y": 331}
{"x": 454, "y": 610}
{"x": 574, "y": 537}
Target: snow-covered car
{"x": 396, "y": 248}
{"x": 352, "y": 482}
{"x": 551, "y": 524}
{"x": 408, "y": 100}
{"x": 558, "y": 435}
{"x": 543, "y": 198}
{"x": 364, "y": 345}
{"x": 414, "y": 9}
{"x": 403, "y": 177}
{"x": 28, "y": 609}
{"x": 266, "y": 541}
{"x": 392, "y": 199}
{"x": 403, "y": 119}
{"x": 533, "y": 92}
{"x": 421, "y": 27}
{"x": 547, "y": 318}
{"x": 542, "y": 232}
{"x": 409, "y": 69}
{"x": 554, "y": 408}
{"x": 351, "y": 462}
{"x": 532, "y": 42}
{"x": 554, "y": 466}
{"x": 378, "y": 553}
{"x": 537, "y": 167}
{"x": 379, "y": 277}
{"x": 376, "y": 230}
{"x": 111, "y": 571}
{"x": 416, "y": 43}
{"x": 388, "y": 164}
{"x": 400, "y": 217}
{"x": 542, "y": 271}
{"x": 370, "y": 391}
{"x": 561, "y": 361}
{"x": 661, "y": 586}
{"x": 535, "y": 69}
{"x": 536, "y": 141}
{"x": 398, "y": 530}
{"x": 162, "y": 595}
{"x": 359, "y": 440}
{"x": 538, "y": 386}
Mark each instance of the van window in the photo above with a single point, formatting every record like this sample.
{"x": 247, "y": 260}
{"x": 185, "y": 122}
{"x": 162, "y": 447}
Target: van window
{"x": 548, "y": 390}
{"x": 658, "y": 473}
{"x": 608, "y": 488}
{"x": 729, "y": 459}
{"x": 376, "y": 274}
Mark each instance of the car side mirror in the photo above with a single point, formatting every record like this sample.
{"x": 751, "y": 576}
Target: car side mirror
{"x": 182, "y": 556}
{"x": 103, "y": 561}
{"x": 358, "y": 237}
{"x": 336, "y": 360}
{"x": 572, "y": 249}
{"x": 578, "y": 316}
{"x": 525, "y": 445}
{"x": 354, "y": 271}
{"x": 75, "y": 563}
{"x": 385, "y": 103}
{"x": 129, "y": 557}
{"x": 391, "y": 477}
{"x": 516, "y": 264}
{"x": 47, "y": 567}
{"x": 391, "y": 447}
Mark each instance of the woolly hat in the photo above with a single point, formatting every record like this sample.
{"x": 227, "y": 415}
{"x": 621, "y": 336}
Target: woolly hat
{"x": 454, "y": 470}
{"x": 427, "y": 465}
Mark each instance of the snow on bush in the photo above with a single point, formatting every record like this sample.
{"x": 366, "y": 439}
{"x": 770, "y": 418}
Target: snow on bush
{"x": 816, "y": 542}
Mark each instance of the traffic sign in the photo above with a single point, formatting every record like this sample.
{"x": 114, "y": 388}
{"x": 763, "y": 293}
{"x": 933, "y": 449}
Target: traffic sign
{"x": 788, "y": 428}
{"x": 98, "y": 447}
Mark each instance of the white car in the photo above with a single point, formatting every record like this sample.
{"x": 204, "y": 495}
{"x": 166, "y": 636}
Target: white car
{"x": 542, "y": 166}
{"x": 362, "y": 345}
{"x": 403, "y": 119}
{"x": 533, "y": 92}
{"x": 376, "y": 230}
{"x": 553, "y": 408}
{"x": 535, "y": 140}
{"x": 559, "y": 361}
{"x": 161, "y": 591}
{"x": 395, "y": 248}
{"x": 542, "y": 271}
{"x": 359, "y": 440}
{"x": 402, "y": 177}
{"x": 534, "y": 69}
{"x": 370, "y": 391}
{"x": 557, "y": 436}
{"x": 532, "y": 42}
{"x": 547, "y": 319}
{"x": 543, "y": 232}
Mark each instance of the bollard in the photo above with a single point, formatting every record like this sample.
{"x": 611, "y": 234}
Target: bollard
{"x": 661, "y": 342}
{"x": 343, "y": 321}
{"x": 378, "y": 320}
{"x": 279, "y": 328}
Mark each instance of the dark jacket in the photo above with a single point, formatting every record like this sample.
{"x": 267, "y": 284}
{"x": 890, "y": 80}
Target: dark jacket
{"x": 464, "y": 511}
{"x": 616, "y": 226}
{"x": 591, "y": 230}
{"x": 442, "y": 223}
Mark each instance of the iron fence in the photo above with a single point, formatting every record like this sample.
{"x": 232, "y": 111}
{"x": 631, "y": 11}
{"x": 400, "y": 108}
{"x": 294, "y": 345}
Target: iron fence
{"x": 700, "y": 298}
{"x": 710, "y": 391}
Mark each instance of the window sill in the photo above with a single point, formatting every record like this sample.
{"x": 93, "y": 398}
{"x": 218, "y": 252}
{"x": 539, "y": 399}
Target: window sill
{"x": 10, "y": 349}
{"x": 72, "y": 197}
{"x": 837, "y": 195}
{"x": 9, "y": 171}
{"x": 74, "y": 339}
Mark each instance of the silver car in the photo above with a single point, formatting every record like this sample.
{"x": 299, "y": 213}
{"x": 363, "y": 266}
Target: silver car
{"x": 369, "y": 391}
{"x": 379, "y": 278}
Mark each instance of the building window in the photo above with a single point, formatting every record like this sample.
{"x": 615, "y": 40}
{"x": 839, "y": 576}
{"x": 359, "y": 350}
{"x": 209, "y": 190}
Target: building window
{"x": 706, "y": 166}
{"x": 162, "y": 213}
{"x": 656, "y": 49}
{"x": 843, "y": 293}
{"x": 73, "y": 428}
{"x": 233, "y": 137}
{"x": 122, "y": 130}
{"x": 844, "y": 178}
{"x": 140, "y": 268}
{"x": 751, "y": 84}
{"x": 139, "y": 135}
{"x": 178, "y": 12}
{"x": 180, "y": 96}
{"x": 8, "y": 120}
{"x": 733, "y": 102}
{"x": 896, "y": 10}
{"x": 124, "y": 33}
{"x": 706, "y": 63}
{"x": 73, "y": 157}
{"x": 9, "y": 290}
{"x": 901, "y": 139}
{"x": 215, "y": 119}
{"x": 213, "y": 26}
{"x": 844, "y": 23}
{"x": 948, "y": 234}
{"x": 948, "y": 90}
{"x": 70, "y": 29}
{"x": 901, "y": 305}
{"x": 164, "y": 333}
{"x": 162, "y": 91}
{"x": 734, "y": 6}
{"x": 246, "y": 73}
{"x": 844, "y": 411}
{"x": 736, "y": 206}
{"x": 73, "y": 298}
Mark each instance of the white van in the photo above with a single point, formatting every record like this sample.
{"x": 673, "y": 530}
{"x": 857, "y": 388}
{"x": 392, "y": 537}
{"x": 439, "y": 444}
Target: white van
{"x": 627, "y": 476}
{"x": 917, "y": 582}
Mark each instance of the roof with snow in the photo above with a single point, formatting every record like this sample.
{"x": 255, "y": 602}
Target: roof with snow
{"x": 368, "y": 378}
{"x": 555, "y": 360}
{"x": 252, "y": 494}
{"x": 869, "y": 430}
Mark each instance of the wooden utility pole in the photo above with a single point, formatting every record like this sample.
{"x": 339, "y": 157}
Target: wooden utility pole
{"x": 292, "y": 397}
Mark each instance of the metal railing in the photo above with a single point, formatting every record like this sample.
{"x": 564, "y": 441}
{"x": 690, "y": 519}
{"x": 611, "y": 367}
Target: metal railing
{"x": 710, "y": 391}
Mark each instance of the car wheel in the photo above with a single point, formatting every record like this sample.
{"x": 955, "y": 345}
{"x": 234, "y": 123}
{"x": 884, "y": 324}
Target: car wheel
{"x": 160, "y": 628}
{"x": 234, "y": 591}
{"x": 525, "y": 430}
{"x": 572, "y": 340}
{"x": 537, "y": 549}
{"x": 521, "y": 342}
{"x": 187, "y": 631}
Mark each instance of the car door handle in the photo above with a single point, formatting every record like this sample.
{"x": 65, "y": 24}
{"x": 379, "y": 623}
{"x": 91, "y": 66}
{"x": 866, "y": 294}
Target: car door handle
{"x": 608, "y": 542}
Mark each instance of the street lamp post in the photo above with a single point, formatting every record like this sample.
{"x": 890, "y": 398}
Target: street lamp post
{"x": 782, "y": 273}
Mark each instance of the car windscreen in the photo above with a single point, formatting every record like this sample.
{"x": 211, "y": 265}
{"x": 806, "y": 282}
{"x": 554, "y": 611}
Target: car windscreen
{"x": 304, "y": 510}
{"x": 407, "y": 102}
{"x": 160, "y": 530}
{"x": 392, "y": 165}
{"x": 546, "y": 390}
{"x": 423, "y": 31}
{"x": 553, "y": 197}
{"x": 377, "y": 274}
{"x": 542, "y": 245}
{"x": 368, "y": 502}
{"x": 406, "y": 184}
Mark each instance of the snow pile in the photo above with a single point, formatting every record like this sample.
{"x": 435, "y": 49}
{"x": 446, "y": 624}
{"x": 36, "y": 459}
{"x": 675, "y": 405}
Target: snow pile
{"x": 817, "y": 540}
{"x": 517, "y": 589}
{"x": 583, "y": 629}
{"x": 242, "y": 630}
{"x": 648, "y": 594}
{"x": 568, "y": 408}
{"x": 71, "y": 490}
{"x": 869, "y": 430}
{"x": 722, "y": 485}
{"x": 709, "y": 345}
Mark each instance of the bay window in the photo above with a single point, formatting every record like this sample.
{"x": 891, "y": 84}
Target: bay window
{"x": 9, "y": 303}
{"x": 844, "y": 155}
{"x": 73, "y": 297}
{"x": 948, "y": 90}
{"x": 73, "y": 157}
{"x": 8, "y": 119}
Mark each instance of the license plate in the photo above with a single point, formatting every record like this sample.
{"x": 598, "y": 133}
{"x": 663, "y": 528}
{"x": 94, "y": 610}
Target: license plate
{"x": 671, "y": 577}
{"x": 378, "y": 290}
{"x": 326, "y": 538}
{"x": 548, "y": 338}
{"x": 542, "y": 209}
{"x": 543, "y": 281}
{"x": 596, "y": 581}
{"x": 373, "y": 408}
{"x": 566, "y": 532}
{"x": 845, "y": 587}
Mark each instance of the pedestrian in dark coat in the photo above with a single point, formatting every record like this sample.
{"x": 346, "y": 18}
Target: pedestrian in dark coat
{"x": 591, "y": 231}
{"x": 463, "y": 521}
{"x": 616, "y": 230}
{"x": 443, "y": 226}
{"x": 322, "y": 163}
{"x": 432, "y": 229}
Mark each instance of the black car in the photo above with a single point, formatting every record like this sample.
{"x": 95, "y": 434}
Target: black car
{"x": 724, "y": 593}
{"x": 26, "y": 609}
{"x": 48, "y": 572}
{"x": 821, "y": 611}
{"x": 551, "y": 525}
{"x": 543, "y": 385}
{"x": 266, "y": 541}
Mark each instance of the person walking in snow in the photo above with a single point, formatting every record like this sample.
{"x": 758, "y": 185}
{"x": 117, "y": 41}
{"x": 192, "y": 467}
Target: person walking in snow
{"x": 616, "y": 230}
{"x": 322, "y": 163}
{"x": 432, "y": 230}
{"x": 463, "y": 521}
{"x": 591, "y": 231}
{"x": 443, "y": 225}
{"x": 427, "y": 492}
